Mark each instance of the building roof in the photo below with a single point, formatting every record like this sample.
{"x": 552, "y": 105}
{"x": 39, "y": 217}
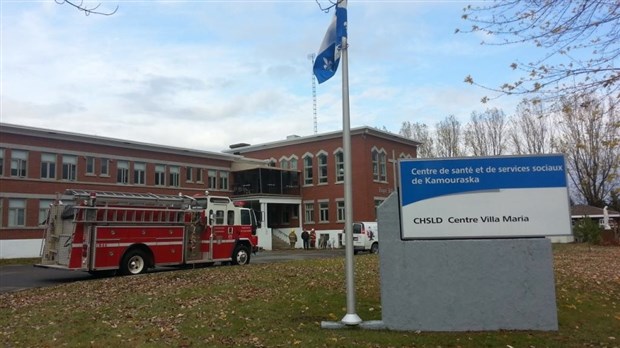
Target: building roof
{"x": 127, "y": 144}
{"x": 294, "y": 140}
{"x": 582, "y": 210}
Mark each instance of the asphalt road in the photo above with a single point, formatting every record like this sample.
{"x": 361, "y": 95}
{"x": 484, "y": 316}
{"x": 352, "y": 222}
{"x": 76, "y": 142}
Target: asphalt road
{"x": 20, "y": 277}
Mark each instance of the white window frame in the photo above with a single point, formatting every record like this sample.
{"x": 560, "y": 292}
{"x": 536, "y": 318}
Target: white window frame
{"x": 139, "y": 173}
{"x": 19, "y": 163}
{"x": 160, "y": 175}
{"x": 104, "y": 167}
{"x": 174, "y": 173}
{"x": 323, "y": 211}
{"x": 223, "y": 180}
{"x": 309, "y": 212}
{"x": 322, "y": 161}
{"x": 340, "y": 211}
{"x": 212, "y": 179}
{"x": 122, "y": 172}
{"x": 90, "y": 165}
{"x": 69, "y": 167}
{"x": 189, "y": 174}
{"x": 292, "y": 164}
{"x": 17, "y": 212}
{"x": 339, "y": 160}
{"x": 379, "y": 165}
{"x": 44, "y": 205}
{"x": 48, "y": 161}
{"x": 199, "y": 175}
{"x": 308, "y": 160}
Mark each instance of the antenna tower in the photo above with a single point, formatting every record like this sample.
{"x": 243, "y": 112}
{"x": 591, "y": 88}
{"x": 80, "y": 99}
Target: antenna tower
{"x": 311, "y": 57}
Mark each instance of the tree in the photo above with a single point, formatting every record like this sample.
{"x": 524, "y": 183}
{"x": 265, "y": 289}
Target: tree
{"x": 587, "y": 231}
{"x": 449, "y": 135}
{"x": 485, "y": 133}
{"x": 87, "y": 10}
{"x": 419, "y": 132}
{"x": 530, "y": 131}
{"x": 580, "y": 39}
{"x": 590, "y": 138}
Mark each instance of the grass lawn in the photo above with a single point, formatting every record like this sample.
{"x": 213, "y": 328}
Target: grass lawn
{"x": 283, "y": 304}
{"x": 23, "y": 261}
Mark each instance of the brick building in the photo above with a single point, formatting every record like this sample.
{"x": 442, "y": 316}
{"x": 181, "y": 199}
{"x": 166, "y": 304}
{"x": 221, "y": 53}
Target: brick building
{"x": 292, "y": 184}
{"x": 319, "y": 160}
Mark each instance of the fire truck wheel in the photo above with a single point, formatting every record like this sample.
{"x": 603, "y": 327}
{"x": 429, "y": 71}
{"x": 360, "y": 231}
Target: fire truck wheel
{"x": 134, "y": 262}
{"x": 241, "y": 255}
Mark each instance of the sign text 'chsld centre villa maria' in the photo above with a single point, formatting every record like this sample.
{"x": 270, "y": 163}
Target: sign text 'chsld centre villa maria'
{"x": 484, "y": 197}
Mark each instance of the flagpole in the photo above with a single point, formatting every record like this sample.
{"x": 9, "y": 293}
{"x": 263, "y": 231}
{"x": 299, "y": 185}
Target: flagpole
{"x": 351, "y": 318}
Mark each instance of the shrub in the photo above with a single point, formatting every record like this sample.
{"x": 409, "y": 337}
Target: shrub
{"x": 587, "y": 231}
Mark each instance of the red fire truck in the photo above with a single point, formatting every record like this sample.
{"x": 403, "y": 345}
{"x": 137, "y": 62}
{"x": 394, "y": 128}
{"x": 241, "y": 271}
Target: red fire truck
{"x": 131, "y": 232}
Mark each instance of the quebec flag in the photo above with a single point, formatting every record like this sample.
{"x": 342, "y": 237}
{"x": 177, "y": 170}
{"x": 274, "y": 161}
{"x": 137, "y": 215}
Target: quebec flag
{"x": 327, "y": 60}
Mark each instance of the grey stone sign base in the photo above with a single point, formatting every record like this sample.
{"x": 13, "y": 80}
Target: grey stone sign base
{"x": 463, "y": 285}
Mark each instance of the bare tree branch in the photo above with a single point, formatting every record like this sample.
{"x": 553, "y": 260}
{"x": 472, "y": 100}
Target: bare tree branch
{"x": 579, "y": 39}
{"x": 87, "y": 10}
{"x": 589, "y": 136}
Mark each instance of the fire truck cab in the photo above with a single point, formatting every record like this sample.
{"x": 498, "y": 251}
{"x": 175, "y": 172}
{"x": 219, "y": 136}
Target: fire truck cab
{"x": 131, "y": 232}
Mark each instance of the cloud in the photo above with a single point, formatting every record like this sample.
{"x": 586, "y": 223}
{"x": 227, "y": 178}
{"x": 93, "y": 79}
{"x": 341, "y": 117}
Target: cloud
{"x": 206, "y": 74}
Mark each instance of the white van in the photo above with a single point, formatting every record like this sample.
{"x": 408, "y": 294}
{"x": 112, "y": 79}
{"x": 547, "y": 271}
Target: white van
{"x": 365, "y": 237}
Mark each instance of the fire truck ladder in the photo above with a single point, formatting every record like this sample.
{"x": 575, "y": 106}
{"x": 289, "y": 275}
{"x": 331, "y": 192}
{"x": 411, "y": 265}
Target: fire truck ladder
{"x": 123, "y": 207}
{"x": 150, "y": 199}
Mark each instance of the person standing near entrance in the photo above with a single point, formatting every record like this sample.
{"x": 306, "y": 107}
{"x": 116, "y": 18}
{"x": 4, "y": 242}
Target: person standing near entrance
{"x": 305, "y": 236}
{"x": 312, "y": 238}
{"x": 292, "y": 238}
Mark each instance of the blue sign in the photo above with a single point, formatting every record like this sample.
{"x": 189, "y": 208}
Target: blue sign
{"x": 484, "y": 196}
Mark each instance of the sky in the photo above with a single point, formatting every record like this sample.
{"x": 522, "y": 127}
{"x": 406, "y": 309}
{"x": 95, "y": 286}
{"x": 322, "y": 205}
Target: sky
{"x": 206, "y": 74}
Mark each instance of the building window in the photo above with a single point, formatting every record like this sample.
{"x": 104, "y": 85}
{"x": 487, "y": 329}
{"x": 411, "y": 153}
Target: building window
{"x": 293, "y": 163}
{"x": 322, "y": 159}
{"x": 48, "y": 166}
{"x": 160, "y": 175}
{"x": 223, "y": 180}
{"x": 175, "y": 176}
{"x": 44, "y": 205}
{"x": 189, "y": 174}
{"x": 105, "y": 167}
{"x": 339, "y": 159}
{"x": 69, "y": 167}
{"x": 212, "y": 179}
{"x": 379, "y": 165}
{"x": 90, "y": 165}
{"x": 19, "y": 163}
{"x": 122, "y": 172}
{"x": 198, "y": 174}
{"x": 1, "y": 162}
{"x": 309, "y": 212}
{"x": 340, "y": 211}
{"x": 308, "y": 170}
{"x": 139, "y": 173}
{"x": 323, "y": 211}
{"x": 284, "y": 163}
{"x": 17, "y": 212}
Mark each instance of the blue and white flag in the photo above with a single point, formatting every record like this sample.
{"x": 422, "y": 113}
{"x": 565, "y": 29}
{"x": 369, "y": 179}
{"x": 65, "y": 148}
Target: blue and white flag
{"x": 327, "y": 60}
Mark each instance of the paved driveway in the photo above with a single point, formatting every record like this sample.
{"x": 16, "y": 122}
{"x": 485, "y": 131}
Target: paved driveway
{"x": 19, "y": 277}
